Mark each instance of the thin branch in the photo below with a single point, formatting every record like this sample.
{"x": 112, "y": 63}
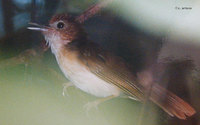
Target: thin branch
{"x": 32, "y": 57}
{"x": 91, "y": 11}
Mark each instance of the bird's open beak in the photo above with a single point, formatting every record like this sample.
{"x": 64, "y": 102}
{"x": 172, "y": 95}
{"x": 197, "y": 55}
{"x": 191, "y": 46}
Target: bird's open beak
{"x": 38, "y": 27}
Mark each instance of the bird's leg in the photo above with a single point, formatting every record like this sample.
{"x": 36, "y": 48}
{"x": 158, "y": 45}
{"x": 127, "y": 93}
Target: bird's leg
{"x": 65, "y": 86}
{"x": 95, "y": 103}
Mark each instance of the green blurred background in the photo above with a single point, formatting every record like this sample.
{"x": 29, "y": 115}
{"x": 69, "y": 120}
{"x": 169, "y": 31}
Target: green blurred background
{"x": 142, "y": 32}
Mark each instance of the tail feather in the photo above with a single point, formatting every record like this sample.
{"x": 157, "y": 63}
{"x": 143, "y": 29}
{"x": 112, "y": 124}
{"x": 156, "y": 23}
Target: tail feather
{"x": 171, "y": 103}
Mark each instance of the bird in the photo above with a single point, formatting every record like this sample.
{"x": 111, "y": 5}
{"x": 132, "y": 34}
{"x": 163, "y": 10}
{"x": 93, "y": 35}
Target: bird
{"x": 96, "y": 71}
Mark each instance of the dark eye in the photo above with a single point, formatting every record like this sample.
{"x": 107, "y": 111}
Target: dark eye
{"x": 60, "y": 25}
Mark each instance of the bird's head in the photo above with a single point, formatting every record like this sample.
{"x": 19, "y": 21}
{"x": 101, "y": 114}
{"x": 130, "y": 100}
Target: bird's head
{"x": 62, "y": 29}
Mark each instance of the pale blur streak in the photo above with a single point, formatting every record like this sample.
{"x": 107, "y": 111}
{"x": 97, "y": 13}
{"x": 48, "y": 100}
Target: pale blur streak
{"x": 162, "y": 17}
{"x": 180, "y": 28}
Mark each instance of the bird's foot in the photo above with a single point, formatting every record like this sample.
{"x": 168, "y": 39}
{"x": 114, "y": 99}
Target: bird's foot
{"x": 65, "y": 86}
{"x": 91, "y": 105}
{"x": 95, "y": 103}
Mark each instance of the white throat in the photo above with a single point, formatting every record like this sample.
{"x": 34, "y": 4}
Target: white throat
{"x": 55, "y": 42}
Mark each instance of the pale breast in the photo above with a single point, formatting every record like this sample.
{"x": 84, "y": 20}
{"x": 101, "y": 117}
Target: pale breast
{"x": 83, "y": 79}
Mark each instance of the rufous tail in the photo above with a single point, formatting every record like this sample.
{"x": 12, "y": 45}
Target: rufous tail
{"x": 171, "y": 103}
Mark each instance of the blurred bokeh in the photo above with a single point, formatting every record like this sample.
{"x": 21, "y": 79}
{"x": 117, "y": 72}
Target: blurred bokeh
{"x": 159, "y": 35}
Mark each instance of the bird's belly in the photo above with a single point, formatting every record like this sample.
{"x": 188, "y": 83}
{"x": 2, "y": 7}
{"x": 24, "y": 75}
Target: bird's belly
{"x": 88, "y": 82}
{"x": 92, "y": 84}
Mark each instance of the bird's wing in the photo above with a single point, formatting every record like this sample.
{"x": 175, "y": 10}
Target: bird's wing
{"x": 112, "y": 70}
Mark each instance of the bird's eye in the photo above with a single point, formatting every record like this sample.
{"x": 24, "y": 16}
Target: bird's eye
{"x": 60, "y": 25}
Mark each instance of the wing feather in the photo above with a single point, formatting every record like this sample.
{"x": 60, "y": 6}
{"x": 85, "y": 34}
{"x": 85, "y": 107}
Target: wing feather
{"x": 112, "y": 70}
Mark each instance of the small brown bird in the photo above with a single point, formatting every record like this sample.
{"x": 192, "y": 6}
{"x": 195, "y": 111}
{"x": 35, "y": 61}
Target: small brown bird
{"x": 98, "y": 72}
